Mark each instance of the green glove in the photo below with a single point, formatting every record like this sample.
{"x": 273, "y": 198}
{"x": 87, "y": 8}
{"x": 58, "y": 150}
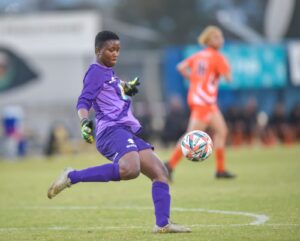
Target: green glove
{"x": 130, "y": 87}
{"x": 87, "y": 130}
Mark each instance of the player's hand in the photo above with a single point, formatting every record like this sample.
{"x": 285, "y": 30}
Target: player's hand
{"x": 130, "y": 87}
{"x": 87, "y": 130}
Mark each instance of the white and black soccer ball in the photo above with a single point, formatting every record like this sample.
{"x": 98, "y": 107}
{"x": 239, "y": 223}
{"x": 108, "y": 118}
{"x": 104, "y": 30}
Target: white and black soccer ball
{"x": 196, "y": 146}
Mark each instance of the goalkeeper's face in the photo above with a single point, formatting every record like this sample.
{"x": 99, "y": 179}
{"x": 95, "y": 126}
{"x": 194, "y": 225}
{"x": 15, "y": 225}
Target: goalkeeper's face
{"x": 109, "y": 53}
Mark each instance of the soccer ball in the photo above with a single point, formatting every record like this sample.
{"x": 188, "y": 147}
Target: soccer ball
{"x": 196, "y": 146}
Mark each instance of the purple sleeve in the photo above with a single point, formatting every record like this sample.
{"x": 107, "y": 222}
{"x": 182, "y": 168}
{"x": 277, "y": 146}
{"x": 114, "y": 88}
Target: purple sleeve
{"x": 92, "y": 83}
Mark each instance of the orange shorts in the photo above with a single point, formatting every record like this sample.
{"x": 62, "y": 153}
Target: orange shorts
{"x": 203, "y": 113}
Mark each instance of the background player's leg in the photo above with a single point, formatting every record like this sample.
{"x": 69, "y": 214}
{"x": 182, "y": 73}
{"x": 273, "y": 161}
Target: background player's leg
{"x": 127, "y": 168}
{"x": 220, "y": 132}
{"x": 218, "y": 124}
{"x": 152, "y": 167}
{"x": 177, "y": 153}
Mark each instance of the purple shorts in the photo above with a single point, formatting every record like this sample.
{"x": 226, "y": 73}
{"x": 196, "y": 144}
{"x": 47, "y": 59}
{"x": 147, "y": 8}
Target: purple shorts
{"x": 116, "y": 141}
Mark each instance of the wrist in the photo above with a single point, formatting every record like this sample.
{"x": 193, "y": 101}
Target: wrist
{"x": 83, "y": 121}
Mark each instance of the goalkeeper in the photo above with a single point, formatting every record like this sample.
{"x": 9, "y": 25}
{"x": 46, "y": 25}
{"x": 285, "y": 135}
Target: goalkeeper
{"x": 116, "y": 130}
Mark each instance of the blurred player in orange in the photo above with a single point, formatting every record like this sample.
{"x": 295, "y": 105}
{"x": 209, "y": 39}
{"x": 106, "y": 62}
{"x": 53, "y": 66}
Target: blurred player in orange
{"x": 204, "y": 70}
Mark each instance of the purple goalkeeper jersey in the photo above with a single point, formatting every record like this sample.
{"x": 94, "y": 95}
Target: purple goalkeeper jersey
{"x": 102, "y": 89}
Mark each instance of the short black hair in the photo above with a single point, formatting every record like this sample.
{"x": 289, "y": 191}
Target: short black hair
{"x": 104, "y": 36}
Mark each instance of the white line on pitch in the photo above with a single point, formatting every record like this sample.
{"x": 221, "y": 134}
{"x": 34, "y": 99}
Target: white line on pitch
{"x": 259, "y": 218}
{"x": 62, "y": 228}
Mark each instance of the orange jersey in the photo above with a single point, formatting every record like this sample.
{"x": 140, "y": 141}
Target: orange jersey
{"x": 206, "y": 68}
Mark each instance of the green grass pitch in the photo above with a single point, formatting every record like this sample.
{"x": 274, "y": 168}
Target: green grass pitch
{"x": 268, "y": 184}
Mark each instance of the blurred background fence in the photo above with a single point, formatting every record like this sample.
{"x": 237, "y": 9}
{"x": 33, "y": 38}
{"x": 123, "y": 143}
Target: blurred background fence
{"x": 46, "y": 46}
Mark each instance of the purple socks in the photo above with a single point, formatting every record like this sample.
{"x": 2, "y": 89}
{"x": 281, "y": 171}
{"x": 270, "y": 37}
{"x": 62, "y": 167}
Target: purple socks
{"x": 162, "y": 200}
{"x": 110, "y": 172}
{"x": 104, "y": 173}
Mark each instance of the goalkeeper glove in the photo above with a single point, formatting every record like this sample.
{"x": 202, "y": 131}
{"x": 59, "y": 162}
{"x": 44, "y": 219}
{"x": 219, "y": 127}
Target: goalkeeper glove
{"x": 130, "y": 87}
{"x": 87, "y": 130}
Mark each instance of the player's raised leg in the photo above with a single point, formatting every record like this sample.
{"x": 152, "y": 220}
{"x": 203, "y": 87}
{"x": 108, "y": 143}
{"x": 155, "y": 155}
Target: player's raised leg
{"x": 127, "y": 168}
{"x": 60, "y": 183}
{"x": 152, "y": 167}
{"x": 219, "y": 127}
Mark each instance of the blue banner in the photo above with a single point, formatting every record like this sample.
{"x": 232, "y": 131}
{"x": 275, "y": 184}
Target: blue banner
{"x": 253, "y": 66}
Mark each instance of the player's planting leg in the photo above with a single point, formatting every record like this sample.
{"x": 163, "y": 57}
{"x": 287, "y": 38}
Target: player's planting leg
{"x": 153, "y": 168}
{"x": 162, "y": 201}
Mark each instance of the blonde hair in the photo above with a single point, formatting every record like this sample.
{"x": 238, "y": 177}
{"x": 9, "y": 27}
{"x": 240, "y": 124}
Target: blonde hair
{"x": 206, "y": 33}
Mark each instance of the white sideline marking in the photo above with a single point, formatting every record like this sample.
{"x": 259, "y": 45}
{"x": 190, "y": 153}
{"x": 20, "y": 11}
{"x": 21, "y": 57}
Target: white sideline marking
{"x": 259, "y": 218}
{"x": 66, "y": 228}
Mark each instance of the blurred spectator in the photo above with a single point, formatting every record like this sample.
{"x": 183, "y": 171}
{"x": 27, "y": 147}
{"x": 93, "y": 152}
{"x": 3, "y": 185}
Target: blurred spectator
{"x": 14, "y": 140}
{"x": 176, "y": 121}
{"x": 59, "y": 141}
{"x": 279, "y": 124}
{"x": 249, "y": 116}
{"x": 268, "y": 136}
{"x": 266, "y": 133}
{"x": 294, "y": 121}
{"x": 235, "y": 125}
{"x": 247, "y": 125}
{"x": 143, "y": 115}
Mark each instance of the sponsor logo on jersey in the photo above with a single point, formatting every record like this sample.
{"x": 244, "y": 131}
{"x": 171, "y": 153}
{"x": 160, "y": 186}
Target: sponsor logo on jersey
{"x": 131, "y": 143}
